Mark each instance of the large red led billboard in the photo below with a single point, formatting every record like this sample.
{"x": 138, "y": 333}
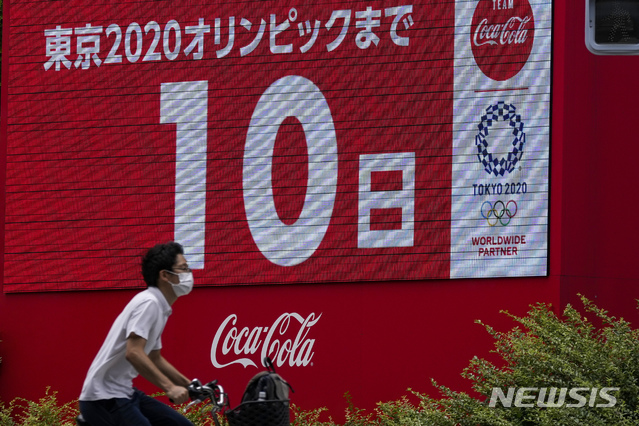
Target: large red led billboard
{"x": 279, "y": 142}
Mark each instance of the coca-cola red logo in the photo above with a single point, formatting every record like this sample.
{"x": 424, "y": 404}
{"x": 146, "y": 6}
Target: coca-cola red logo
{"x": 501, "y": 36}
{"x": 286, "y": 341}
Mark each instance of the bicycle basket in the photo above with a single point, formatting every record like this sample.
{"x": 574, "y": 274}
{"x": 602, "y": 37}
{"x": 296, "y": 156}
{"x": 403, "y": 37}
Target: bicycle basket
{"x": 260, "y": 413}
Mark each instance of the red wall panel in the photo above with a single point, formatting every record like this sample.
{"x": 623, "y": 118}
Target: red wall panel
{"x": 369, "y": 341}
{"x": 594, "y": 102}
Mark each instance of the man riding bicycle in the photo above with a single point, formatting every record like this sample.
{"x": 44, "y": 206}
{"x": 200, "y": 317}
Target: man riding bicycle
{"x": 132, "y": 347}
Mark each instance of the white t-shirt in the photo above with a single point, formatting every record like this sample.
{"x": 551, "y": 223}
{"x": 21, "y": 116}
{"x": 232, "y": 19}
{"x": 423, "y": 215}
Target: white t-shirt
{"x": 110, "y": 374}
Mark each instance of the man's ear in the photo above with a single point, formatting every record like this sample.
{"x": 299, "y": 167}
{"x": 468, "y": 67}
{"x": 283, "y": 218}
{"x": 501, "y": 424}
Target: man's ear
{"x": 163, "y": 276}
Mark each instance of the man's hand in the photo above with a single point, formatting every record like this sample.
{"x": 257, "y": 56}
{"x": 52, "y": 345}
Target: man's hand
{"x": 178, "y": 395}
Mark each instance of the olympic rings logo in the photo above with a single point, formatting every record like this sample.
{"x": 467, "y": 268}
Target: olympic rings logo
{"x": 498, "y": 213}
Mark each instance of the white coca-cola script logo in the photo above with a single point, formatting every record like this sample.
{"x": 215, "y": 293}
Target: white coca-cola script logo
{"x": 502, "y": 36}
{"x": 513, "y": 31}
{"x": 275, "y": 341}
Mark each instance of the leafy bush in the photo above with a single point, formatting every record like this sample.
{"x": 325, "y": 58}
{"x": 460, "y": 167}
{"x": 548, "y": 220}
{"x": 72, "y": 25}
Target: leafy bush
{"x": 45, "y": 412}
{"x": 550, "y": 352}
{"x": 542, "y": 351}
{"x": 200, "y": 415}
{"x": 5, "y": 416}
{"x": 304, "y": 418}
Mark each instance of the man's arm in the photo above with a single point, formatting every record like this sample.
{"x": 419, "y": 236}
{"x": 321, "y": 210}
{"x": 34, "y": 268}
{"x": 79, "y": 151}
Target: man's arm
{"x": 150, "y": 371}
{"x": 168, "y": 370}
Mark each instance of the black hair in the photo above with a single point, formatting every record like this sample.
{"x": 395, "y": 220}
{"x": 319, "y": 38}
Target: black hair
{"x": 159, "y": 257}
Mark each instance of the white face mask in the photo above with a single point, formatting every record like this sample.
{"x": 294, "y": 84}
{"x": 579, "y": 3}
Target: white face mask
{"x": 185, "y": 284}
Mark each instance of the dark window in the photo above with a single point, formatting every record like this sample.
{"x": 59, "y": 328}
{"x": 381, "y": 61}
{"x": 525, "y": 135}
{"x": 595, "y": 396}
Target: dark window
{"x": 616, "y": 22}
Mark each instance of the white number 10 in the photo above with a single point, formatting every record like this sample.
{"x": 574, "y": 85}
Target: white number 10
{"x": 185, "y": 103}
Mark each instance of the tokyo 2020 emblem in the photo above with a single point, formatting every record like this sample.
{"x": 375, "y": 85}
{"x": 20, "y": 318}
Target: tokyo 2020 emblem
{"x": 494, "y": 164}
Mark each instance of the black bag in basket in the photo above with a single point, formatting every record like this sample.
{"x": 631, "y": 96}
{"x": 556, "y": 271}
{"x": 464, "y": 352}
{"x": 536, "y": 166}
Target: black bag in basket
{"x": 265, "y": 401}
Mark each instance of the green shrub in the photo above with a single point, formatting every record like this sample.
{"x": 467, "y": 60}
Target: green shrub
{"x": 542, "y": 351}
{"x": 5, "y": 415}
{"x": 545, "y": 351}
{"x": 200, "y": 415}
{"x": 45, "y": 412}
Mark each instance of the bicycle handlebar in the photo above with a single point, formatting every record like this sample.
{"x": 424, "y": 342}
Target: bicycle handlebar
{"x": 200, "y": 393}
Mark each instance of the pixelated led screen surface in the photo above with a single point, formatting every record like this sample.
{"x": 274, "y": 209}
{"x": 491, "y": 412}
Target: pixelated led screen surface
{"x": 279, "y": 142}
